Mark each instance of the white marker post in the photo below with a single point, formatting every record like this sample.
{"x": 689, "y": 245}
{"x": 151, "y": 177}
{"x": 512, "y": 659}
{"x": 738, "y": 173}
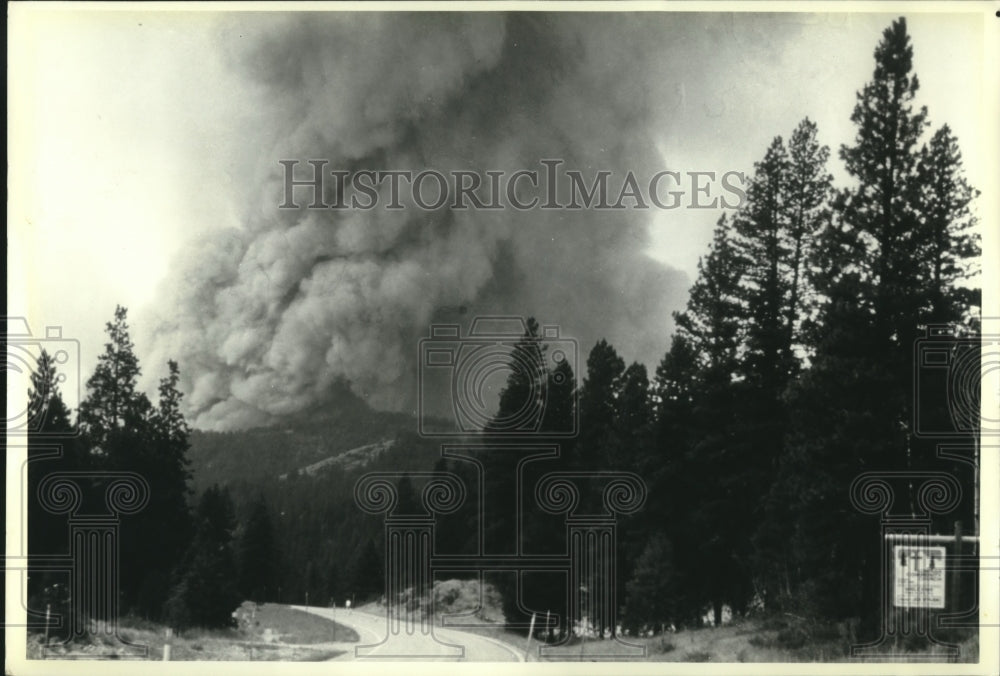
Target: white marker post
{"x": 531, "y": 631}
{"x": 166, "y": 646}
{"x": 48, "y": 612}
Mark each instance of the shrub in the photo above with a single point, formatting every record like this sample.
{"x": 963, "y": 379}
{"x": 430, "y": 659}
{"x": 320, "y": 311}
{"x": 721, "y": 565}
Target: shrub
{"x": 665, "y": 645}
{"x": 698, "y": 656}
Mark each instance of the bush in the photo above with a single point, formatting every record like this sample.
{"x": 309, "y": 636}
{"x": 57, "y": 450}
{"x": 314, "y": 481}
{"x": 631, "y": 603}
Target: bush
{"x": 774, "y": 624}
{"x": 698, "y": 656}
{"x": 792, "y": 638}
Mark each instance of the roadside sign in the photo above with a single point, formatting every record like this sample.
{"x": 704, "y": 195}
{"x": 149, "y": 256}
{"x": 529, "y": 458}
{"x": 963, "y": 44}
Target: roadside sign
{"x": 918, "y": 574}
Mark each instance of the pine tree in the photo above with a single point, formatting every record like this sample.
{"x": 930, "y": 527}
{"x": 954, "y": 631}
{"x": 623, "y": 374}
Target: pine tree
{"x": 46, "y": 408}
{"x": 597, "y": 445}
{"x": 50, "y": 449}
{"x": 653, "y": 588}
{"x": 712, "y": 543}
{"x": 633, "y": 412}
{"x": 207, "y": 594}
{"x": 667, "y": 470}
{"x": 950, "y": 246}
{"x": 809, "y": 189}
{"x": 601, "y": 445}
{"x": 879, "y": 216}
{"x": 257, "y": 555}
{"x": 408, "y": 503}
{"x": 713, "y": 320}
{"x": 560, "y": 402}
{"x": 167, "y": 518}
{"x": 542, "y": 533}
{"x": 122, "y": 431}
{"x": 762, "y": 226}
{"x": 115, "y": 413}
{"x": 664, "y": 464}
{"x": 633, "y": 438}
{"x": 368, "y": 579}
{"x": 876, "y": 270}
{"x": 524, "y": 392}
{"x": 785, "y": 207}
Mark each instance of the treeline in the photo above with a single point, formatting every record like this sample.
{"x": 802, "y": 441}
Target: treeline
{"x": 187, "y": 564}
{"x": 790, "y": 372}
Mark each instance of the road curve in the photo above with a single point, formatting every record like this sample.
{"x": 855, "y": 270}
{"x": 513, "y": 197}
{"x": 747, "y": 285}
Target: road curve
{"x": 441, "y": 645}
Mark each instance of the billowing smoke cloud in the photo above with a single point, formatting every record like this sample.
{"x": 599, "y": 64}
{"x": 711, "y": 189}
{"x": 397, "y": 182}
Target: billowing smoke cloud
{"x": 265, "y": 319}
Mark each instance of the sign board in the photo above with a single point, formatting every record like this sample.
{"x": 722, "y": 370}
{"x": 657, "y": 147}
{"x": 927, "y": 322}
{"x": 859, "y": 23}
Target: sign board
{"x": 918, "y": 576}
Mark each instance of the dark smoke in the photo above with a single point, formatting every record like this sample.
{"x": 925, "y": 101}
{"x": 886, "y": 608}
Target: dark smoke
{"x": 266, "y": 319}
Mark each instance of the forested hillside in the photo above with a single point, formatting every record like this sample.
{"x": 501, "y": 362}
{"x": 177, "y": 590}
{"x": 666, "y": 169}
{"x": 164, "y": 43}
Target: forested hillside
{"x": 265, "y": 453}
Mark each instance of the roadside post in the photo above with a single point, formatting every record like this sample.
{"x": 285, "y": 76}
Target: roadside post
{"x": 956, "y": 580}
{"x": 166, "y": 645}
{"x": 531, "y": 632}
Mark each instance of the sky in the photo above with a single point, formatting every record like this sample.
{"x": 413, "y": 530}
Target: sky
{"x": 144, "y": 147}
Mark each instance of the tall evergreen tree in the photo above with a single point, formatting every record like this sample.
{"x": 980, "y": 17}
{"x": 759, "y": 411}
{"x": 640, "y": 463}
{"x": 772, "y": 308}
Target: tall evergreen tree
{"x": 525, "y": 390}
{"x": 600, "y": 446}
{"x": 123, "y": 431}
{"x": 113, "y": 417}
{"x": 714, "y": 535}
{"x": 667, "y": 469}
{"x": 597, "y": 445}
{"x": 653, "y": 589}
{"x": 51, "y": 448}
{"x": 206, "y": 593}
{"x": 809, "y": 189}
{"x": 167, "y": 518}
{"x": 633, "y": 418}
{"x": 633, "y": 432}
{"x": 785, "y": 208}
{"x": 950, "y": 246}
{"x": 878, "y": 231}
{"x": 408, "y": 503}
{"x": 560, "y": 402}
{"x": 875, "y": 268}
{"x": 368, "y": 578}
{"x": 257, "y": 555}
{"x": 46, "y": 408}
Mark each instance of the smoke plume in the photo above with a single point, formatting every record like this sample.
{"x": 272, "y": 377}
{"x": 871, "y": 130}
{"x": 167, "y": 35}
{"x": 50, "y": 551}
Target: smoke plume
{"x": 265, "y": 319}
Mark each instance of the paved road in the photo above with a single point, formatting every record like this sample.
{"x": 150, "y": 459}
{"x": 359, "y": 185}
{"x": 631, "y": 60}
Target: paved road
{"x": 441, "y": 645}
